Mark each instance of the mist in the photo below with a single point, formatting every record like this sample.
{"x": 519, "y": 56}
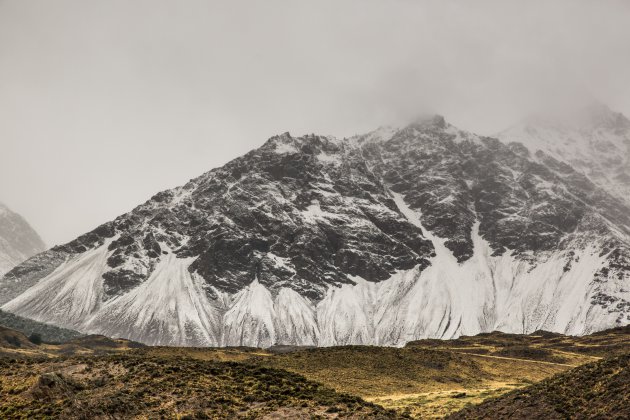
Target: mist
{"x": 103, "y": 104}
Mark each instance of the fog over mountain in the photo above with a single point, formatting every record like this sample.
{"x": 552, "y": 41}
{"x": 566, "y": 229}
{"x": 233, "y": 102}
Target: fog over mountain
{"x": 592, "y": 139}
{"x": 104, "y": 103}
{"x": 18, "y": 241}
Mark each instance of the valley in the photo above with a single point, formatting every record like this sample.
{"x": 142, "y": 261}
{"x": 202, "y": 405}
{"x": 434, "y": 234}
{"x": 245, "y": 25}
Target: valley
{"x": 424, "y": 379}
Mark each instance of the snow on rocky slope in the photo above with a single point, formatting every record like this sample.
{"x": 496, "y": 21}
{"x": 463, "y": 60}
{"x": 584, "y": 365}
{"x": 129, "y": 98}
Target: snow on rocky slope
{"x": 593, "y": 139}
{"x": 18, "y": 241}
{"x": 396, "y": 235}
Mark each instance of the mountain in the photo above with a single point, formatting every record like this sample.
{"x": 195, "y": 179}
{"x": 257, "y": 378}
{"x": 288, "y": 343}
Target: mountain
{"x": 593, "y": 139}
{"x": 383, "y": 238}
{"x": 18, "y": 240}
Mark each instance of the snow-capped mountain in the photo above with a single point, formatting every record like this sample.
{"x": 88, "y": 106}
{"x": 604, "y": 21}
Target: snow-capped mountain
{"x": 593, "y": 139}
{"x": 18, "y": 240}
{"x": 395, "y": 235}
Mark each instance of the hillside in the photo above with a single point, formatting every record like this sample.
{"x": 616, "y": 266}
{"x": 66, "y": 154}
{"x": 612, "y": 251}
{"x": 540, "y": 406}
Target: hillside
{"x": 48, "y": 333}
{"x": 135, "y": 386}
{"x": 599, "y": 390}
{"x": 430, "y": 378}
{"x": 11, "y": 339}
{"x": 540, "y": 345}
{"x": 426, "y": 379}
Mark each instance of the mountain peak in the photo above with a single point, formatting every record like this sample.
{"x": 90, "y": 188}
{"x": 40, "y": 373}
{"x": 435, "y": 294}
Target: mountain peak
{"x": 434, "y": 121}
{"x": 18, "y": 241}
{"x": 590, "y": 116}
{"x": 591, "y": 138}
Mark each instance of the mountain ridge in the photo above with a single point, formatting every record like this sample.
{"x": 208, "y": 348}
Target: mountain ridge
{"x": 383, "y": 238}
{"x": 18, "y": 240}
{"x": 593, "y": 139}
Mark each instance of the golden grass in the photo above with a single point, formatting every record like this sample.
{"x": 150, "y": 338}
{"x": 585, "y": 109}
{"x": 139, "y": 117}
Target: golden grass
{"x": 438, "y": 404}
{"x": 420, "y": 382}
{"x": 428, "y": 378}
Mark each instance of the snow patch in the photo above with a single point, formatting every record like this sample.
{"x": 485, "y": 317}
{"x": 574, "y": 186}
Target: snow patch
{"x": 329, "y": 158}
{"x": 69, "y": 294}
{"x": 283, "y": 148}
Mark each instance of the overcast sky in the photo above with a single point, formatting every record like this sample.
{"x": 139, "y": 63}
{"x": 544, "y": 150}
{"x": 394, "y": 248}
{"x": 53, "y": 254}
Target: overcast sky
{"x": 104, "y": 103}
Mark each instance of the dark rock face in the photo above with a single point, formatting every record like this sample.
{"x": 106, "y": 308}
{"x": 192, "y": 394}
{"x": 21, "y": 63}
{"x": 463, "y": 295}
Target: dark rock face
{"x": 308, "y": 212}
{"x": 454, "y": 179}
{"x": 322, "y": 220}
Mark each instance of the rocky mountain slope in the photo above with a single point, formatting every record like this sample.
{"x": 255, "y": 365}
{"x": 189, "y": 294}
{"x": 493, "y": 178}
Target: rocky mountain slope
{"x": 593, "y": 139}
{"x": 396, "y": 235}
{"x": 18, "y": 240}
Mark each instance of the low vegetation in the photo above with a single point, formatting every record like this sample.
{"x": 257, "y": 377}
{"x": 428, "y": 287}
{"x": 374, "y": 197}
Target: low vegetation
{"x": 598, "y": 390}
{"x": 138, "y": 386}
{"x": 99, "y": 377}
{"x": 48, "y": 333}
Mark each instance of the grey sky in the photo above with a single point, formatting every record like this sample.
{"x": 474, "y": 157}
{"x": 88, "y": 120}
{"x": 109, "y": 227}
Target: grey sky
{"x": 104, "y": 103}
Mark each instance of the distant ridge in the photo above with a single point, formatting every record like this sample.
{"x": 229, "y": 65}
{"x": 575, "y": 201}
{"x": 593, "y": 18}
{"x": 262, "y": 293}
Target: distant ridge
{"x": 18, "y": 240}
{"x": 48, "y": 333}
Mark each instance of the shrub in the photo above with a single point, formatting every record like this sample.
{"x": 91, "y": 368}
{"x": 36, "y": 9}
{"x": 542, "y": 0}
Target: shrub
{"x": 35, "y": 338}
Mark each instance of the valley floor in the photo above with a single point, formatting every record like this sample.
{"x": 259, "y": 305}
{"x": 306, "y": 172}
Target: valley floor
{"x": 98, "y": 377}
